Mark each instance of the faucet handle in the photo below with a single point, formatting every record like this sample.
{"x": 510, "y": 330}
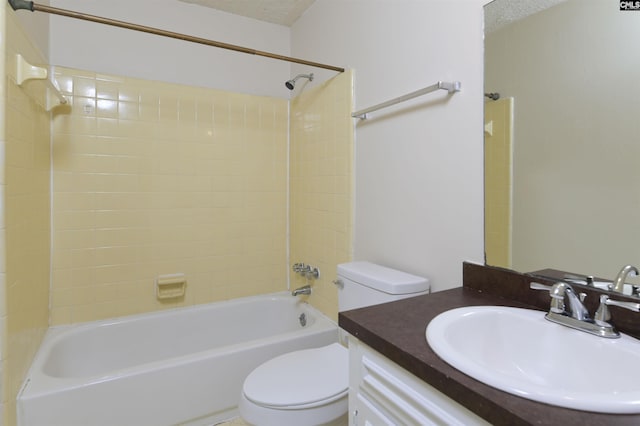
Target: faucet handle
{"x": 312, "y": 272}
{"x": 556, "y": 292}
{"x": 539, "y": 286}
{"x": 603, "y": 314}
{"x": 627, "y": 305}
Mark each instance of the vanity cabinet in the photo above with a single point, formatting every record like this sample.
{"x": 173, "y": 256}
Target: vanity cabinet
{"x": 383, "y": 393}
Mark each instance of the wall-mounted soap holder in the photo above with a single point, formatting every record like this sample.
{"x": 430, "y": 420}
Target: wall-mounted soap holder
{"x": 171, "y": 286}
{"x": 307, "y": 271}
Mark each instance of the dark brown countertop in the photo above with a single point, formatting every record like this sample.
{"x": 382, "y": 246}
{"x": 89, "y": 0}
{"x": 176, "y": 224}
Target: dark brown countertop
{"x": 397, "y": 331}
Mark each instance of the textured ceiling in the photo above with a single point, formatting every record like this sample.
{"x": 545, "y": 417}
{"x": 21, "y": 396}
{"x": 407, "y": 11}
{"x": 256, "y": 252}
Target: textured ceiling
{"x": 499, "y": 13}
{"x": 282, "y": 12}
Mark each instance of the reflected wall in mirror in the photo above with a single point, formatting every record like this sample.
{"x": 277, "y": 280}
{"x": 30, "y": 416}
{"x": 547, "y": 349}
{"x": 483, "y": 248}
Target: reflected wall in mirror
{"x": 573, "y": 73}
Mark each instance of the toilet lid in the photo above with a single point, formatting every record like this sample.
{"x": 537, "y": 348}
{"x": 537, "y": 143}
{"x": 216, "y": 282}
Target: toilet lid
{"x": 302, "y": 378}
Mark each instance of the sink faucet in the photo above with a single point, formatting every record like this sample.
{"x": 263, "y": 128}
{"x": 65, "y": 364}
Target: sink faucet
{"x": 618, "y": 283}
{"x": 567, "y": 309}
{"x": 564, "y": 300}
{"x": 573, "y": 305}
{"x": 301, "y": 290}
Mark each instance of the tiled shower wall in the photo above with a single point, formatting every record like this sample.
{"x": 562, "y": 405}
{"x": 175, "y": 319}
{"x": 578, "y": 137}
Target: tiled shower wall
{"x": 25, "y": 225}
{"x": 322, "y": 185}
{"x": 152, "y": 178}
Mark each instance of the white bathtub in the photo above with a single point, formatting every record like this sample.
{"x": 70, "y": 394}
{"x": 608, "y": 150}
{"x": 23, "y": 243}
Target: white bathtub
{"x": 183, "y": 366}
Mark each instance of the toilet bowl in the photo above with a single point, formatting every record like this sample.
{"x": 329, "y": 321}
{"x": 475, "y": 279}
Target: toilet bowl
{"x": 302, "y": 388}
{"x": 310, "y": 387}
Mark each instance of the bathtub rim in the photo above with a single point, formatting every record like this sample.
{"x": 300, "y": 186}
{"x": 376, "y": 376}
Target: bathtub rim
{"x": 176, "y": 310}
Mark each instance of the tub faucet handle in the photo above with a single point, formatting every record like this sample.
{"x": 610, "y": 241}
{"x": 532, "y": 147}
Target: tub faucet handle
{"x": 312, "y": 272}
{"x": 307, "y": 271}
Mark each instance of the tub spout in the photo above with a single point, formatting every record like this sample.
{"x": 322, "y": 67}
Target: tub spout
{"x": 302, "y": 290}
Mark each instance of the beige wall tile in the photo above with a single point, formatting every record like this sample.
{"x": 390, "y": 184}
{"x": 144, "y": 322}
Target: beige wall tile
{"x": 153, "y": 178}
{"x": 321, "y": 185}
{"x": 25, "y": 226}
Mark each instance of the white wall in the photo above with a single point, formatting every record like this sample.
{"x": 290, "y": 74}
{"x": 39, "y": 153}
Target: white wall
{"x": 419, "y": 172}
{"x": 36, "y": 25}
{"x": 86, "y": 45}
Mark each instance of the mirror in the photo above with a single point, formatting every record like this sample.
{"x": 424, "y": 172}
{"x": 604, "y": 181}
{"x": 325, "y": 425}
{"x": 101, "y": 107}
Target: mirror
{"x": 564, "y": 194}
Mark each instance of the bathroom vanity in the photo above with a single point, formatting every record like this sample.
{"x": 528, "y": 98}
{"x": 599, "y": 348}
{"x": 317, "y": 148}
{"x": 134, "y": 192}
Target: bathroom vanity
{"x": 383, "y": 393}
{"x": 393, "y": 369}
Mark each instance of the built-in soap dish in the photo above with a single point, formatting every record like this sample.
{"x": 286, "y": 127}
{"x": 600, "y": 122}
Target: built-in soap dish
{"x": 171, "y": 286}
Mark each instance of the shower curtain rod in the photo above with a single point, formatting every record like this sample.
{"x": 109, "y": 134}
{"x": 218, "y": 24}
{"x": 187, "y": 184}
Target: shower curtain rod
{"x": 34, "y": 7}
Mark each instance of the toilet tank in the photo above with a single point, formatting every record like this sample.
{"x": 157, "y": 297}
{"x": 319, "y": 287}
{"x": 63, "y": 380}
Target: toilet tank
{"x": 365, "y": 284}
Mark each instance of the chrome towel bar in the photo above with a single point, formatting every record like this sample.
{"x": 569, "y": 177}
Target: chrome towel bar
{"x": 451, "y": 87}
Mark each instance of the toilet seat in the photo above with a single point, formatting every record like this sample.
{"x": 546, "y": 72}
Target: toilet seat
{"x": 301, "y": 379}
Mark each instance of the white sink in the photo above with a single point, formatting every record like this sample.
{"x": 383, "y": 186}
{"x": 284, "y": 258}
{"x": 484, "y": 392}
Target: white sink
{"x": 518, "y": 351}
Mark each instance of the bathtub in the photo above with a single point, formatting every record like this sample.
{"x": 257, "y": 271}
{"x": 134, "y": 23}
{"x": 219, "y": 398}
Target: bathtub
{"x": 182, "y": 366}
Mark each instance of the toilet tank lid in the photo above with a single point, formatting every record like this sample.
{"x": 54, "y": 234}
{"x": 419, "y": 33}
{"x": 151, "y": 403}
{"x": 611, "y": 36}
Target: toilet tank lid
{"x": 381, "y": 278}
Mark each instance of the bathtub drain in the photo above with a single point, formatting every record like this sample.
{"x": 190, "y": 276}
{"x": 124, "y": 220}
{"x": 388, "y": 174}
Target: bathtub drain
{"x": 303, "y": 319}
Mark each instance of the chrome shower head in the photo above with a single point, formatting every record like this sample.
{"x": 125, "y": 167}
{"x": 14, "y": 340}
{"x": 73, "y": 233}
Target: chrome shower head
{"x": 292, "y": 83}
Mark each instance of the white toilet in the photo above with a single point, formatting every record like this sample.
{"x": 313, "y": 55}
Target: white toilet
{"x": 310, "y": 387}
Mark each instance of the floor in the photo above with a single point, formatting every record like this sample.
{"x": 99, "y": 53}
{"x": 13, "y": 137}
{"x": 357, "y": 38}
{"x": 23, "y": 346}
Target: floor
{"x": 239, "y": 422}
{"x": 233, "y": 422}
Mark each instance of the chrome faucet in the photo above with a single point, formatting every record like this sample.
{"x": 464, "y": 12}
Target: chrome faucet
{"x": 618, "y": 283}
{"x": 564, "y": 300}
{"x": 301, "y": 290}
{"x": 567, "y": 309}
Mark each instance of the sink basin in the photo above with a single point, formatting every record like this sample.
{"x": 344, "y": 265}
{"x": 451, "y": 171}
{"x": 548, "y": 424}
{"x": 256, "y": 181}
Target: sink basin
{"x": 520, "y": 352}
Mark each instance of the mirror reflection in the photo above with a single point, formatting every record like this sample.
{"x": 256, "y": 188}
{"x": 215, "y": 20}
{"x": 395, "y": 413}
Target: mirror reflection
{"x": 562, "y": 144}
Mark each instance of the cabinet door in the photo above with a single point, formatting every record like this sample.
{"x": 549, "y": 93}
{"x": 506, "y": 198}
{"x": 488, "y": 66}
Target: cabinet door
{"x": 367, "y": 414}
{"x": 383, "y": 393}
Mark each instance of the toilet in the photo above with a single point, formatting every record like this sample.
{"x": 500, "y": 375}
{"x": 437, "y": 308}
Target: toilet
{"x": 310, "y": 387}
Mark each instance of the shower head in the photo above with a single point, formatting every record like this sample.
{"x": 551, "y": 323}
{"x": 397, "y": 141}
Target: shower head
{"x": 292, "y": 83}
